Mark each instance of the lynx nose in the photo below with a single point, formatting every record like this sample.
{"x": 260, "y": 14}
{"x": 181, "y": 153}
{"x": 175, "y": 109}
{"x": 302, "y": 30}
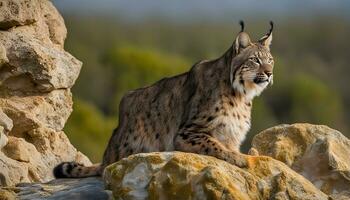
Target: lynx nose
{"x": 266, "y": 69}
{"x": 268, "y": 73}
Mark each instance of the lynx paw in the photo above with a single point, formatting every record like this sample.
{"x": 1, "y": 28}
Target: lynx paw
{"x": 238, "y": 159}
{"x": 253, "y": 152}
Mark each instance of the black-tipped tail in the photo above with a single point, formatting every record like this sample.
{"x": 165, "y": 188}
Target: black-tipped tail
{"x": 75, "y": 170}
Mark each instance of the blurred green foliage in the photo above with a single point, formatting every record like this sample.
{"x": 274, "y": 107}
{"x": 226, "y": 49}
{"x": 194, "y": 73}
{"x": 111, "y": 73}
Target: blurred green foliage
{"x": 138, "y": 67}
{"x": 310, "y": 76}
{"x": 88, "y": 129}
{"x": 314, "y": 101}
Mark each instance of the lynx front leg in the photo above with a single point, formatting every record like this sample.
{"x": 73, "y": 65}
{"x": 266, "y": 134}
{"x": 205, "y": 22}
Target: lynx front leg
{"x": 205, "y": 144}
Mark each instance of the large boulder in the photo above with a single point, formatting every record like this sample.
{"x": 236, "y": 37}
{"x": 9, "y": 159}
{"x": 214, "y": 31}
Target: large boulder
{"x": 319, "y": 153}
{"x": 177, "y": 175}
{"x": 36, "y": 75}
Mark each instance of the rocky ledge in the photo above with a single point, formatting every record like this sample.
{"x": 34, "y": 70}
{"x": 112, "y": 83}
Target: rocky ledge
{"x": 299, "y": 161}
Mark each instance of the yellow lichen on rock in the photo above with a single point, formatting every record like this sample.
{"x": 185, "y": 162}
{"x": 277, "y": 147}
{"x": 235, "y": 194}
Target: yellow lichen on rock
{"x": 191, "y": 176}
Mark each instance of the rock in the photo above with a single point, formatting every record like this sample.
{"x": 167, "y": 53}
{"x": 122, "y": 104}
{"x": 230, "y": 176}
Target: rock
{"x": 5, "y": 126}
{"x": 84, "y": 189}
{"x": 47, "y": 109}
{"x": 34, "y": 66}
{"x": 12, "y": 171}
{"x": 18, "y": 12}
{"x": 5, "y": 121}
{"x": 7, "y": 194}
{"x": 3, "y": 138}
{"x": 57, "y": 31}
{"x": 176, "y": 175}
{"x": 33, "y": 159}
{"x": 39, "y": 18}
{"x": 317, "y": 152}
{"x": 20, "y": 150}
{"x": 3, "y": 56}
{"x": 36, "y": 75}
{"x": 32, "y": 56}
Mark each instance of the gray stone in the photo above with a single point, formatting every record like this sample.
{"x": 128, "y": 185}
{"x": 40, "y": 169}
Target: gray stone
{"x": 78, "y": 189}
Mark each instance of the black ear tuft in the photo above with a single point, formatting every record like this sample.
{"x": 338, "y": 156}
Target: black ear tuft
{"x": 242, "y": 25}
{"x": 271, "y": 27}
{"x": 267, "y": 38}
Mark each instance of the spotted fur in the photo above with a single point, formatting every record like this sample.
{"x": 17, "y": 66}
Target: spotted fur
{"x": 73, "y": 170}
{"x": 206, "y": 110}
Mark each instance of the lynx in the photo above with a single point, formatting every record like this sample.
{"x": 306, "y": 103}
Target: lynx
{"x": 205, "y": 110}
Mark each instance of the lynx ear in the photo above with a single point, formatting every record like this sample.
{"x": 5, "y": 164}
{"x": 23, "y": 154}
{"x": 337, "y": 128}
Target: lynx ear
{"x": 242, "y": 40}
{"x": 266, "y": 40}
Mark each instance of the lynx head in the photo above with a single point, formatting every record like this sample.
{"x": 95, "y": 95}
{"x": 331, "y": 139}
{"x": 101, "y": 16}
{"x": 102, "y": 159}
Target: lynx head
{"x": 252, "y": 65}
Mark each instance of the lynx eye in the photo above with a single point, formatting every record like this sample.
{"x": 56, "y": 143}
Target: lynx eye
{"x": 255, "y": 59}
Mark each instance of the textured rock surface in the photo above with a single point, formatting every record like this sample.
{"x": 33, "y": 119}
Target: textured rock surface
{"x": 36, "y": 75}
{"x": 319, "y": 153}
{"x": 5, "y": 126}
{"x": 191, "y": 176}
{"x": 77, "y": 189}
{"x": 3, "y": 138}
{"x": 36, "y": 17}
{"x": 18, "y": 12}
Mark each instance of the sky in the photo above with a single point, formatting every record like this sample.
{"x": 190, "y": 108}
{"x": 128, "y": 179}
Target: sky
{"x": 204, "y": 9}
